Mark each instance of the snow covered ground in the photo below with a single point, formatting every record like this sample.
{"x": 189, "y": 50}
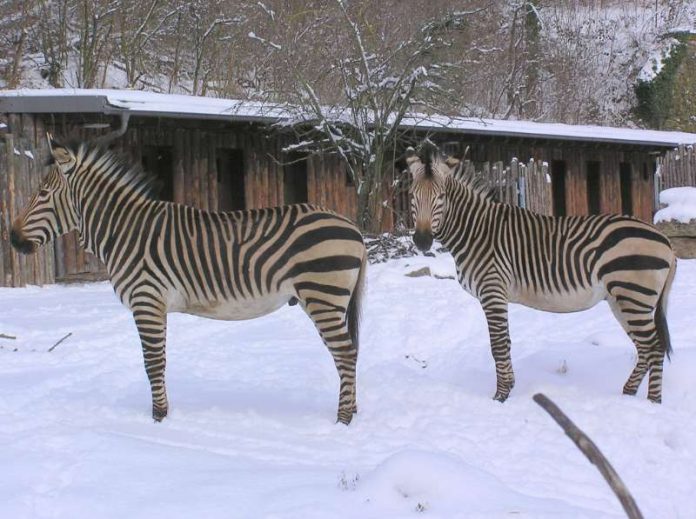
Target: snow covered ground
{"x": 251, "y": 430}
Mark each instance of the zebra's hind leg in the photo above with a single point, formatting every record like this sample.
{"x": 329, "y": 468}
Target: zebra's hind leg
{"x": 151, "y": 321}
{"x": 495, "y": 306}
{"x": 330, "y": 321}
{"x": 636, "y": 318}
{"x": 657, "y": 359}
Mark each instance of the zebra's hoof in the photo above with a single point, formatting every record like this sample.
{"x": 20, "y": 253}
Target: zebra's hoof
{"x": 655, "y": 399}
{"x": 159, "y": 414}
{"x": 500, "y": 397}
{"x": 630, "y": 391}
{"x": 344, "y": 418}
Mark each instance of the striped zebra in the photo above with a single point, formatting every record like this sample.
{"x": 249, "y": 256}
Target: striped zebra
{"x": 164, "y": 257}
{"x": 508, "y": 254}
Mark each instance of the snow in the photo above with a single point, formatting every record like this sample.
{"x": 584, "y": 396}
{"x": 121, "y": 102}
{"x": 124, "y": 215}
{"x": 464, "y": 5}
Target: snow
{"x": 153, "y": 104}
{"x": 251, "y": 430}
{"x": 681, "y": 205}
{"x": 655, "y": 62}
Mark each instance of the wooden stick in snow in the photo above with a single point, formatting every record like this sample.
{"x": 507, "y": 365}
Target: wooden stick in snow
{"x": 11, "y": 337}
{"x": 56, "y": 344}
{"x": 592, "y": 452}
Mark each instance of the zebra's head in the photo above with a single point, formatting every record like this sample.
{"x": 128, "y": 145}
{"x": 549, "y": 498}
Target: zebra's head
{"x": 428, "y": 201}
{"x": 50, "y": 212}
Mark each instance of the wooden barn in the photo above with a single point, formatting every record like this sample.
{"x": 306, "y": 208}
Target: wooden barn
{"x": 223, "y": 155}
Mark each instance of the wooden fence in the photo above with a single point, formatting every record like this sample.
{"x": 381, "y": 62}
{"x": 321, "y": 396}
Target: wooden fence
{"x": 677, "y": 168}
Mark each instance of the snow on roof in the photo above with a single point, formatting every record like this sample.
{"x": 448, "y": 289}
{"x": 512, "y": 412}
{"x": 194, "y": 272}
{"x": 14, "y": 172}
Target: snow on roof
{"x": 559, "y": 131}
{"x": 174, "y": 105}
{"x": 136, "y": 102}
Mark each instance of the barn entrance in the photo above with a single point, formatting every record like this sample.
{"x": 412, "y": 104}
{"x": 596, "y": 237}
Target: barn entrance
{"x": 158, "y": 161}
{"x": 625, "y": 175}
{"x": 558, "y": 187}
{"x": 295, "y": 179}
{"x": 230, "y": 177}
{"x": 593, "y": 187}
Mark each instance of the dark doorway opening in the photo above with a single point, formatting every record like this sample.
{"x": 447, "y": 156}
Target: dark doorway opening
{"x": 558, "y": 187}
{"x": 295, "y": 179}
{"x": 157, "y": 160}
{"x": 626, "y": 173}
{"x": 230, "y": 177}
{"x": 593, "y": 187}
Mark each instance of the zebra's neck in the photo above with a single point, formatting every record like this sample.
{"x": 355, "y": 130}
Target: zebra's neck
{"x": 465, "y": 215}
{"x": 107, "y": 210}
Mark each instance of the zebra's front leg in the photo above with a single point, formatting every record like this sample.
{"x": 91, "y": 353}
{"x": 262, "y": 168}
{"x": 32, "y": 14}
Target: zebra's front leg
{"x": 495, "y": 306}
{"x": 151, "y": 321}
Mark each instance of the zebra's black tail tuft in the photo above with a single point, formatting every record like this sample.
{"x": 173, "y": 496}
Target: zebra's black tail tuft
{"x": 354, "y": 306}
{"x": 661, "y": 313}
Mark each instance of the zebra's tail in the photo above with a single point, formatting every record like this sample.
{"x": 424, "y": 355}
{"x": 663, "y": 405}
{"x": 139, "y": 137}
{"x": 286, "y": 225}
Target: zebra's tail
{"x": 661, "y": 312}
{"x": 354, "y": 306}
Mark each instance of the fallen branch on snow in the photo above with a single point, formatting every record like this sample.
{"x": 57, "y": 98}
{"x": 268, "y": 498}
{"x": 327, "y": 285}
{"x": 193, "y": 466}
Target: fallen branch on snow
{"x": 592, "y": 452}
{"x": 56, "y": 344}
{"x": 11, "y": 337}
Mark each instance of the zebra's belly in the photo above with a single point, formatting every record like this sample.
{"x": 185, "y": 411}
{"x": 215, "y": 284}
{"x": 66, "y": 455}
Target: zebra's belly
{"x": 560, "y": 302}
{"x": 232, "y": 310}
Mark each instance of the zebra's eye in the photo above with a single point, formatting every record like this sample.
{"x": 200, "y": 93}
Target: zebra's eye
{"x": 44, "y": 193}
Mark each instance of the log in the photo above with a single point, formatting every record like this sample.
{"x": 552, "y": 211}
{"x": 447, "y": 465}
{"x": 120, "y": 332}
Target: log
{"x": 592, "y": 452}
{"x": 12, "y": 206}
{"x": 5, "y": 223}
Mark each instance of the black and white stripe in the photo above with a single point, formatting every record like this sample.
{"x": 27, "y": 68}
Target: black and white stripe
{"x": 559, "y": 264}
{"x": 164, "y": 257}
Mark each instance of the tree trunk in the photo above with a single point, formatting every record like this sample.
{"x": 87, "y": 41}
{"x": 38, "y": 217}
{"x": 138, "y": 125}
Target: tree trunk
{"x": 370, "y": 198}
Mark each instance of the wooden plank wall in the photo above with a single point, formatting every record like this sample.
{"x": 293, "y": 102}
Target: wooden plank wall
{"x": 21, "y": 171}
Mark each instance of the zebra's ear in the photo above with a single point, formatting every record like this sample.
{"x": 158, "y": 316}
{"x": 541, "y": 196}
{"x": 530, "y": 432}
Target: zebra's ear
{"x": 411, "y": 156}
{"x": 452, "y": 163}
{"x": 62, "y": 156}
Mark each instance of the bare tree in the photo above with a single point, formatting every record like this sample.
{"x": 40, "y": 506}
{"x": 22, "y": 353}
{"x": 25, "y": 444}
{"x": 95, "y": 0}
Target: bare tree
{"x": 380, "y": 82}
{"x": 136, "y": 42}
{"x": 52, "y": 34}
{"x": 95, "y": 24}
{"x": 14, "y": 35}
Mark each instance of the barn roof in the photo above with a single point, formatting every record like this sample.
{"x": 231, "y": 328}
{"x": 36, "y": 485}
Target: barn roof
{"x": 150, "y": 104}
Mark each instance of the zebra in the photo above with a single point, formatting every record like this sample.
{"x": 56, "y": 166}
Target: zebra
{"x": 507, "y": 254}
{"x": 164, "y": 257}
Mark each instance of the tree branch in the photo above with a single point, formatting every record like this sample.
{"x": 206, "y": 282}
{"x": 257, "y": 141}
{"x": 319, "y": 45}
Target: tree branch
{"x": 592, "y": 452}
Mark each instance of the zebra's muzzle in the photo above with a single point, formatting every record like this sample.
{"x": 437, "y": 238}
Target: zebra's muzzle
{"x": 20, "y": 243}
{"x": 423, "y": 240}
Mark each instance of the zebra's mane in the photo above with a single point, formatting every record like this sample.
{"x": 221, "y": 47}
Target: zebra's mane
{"x": 465, "y": 175}
{"x": 117, "y": 167}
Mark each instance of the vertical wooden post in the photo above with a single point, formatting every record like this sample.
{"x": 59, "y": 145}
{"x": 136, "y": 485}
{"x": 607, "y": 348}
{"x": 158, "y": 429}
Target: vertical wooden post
{"x": 212, "y": 173}
{"x": 179, "y": 178}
